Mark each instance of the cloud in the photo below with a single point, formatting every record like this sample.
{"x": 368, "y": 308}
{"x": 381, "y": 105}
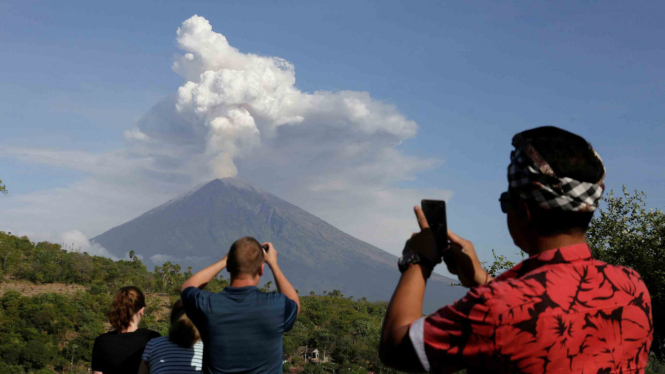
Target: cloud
{"x": 233, "y": 103}
{"x": 336, "y": 154}
{"x": 135, "y": 134}
{"x": 159, "y": 258}
{"x": 76, "y": 241}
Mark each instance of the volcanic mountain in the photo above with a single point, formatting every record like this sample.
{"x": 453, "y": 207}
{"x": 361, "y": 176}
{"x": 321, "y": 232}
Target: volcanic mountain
{"x": 197, "y": 228}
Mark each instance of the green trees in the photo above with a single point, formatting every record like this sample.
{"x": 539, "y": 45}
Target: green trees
{"x": 168, "y": 277}
{"x": 38, "y": 333}
{"x": 3, "y": 188}
{"x": 266, "y": 287}
{"x": 35, "y": 355}
{"x": 627, "y": 233}
{"x": 55, "y": 332}
{"x": 46, "y": 262}
{"x": 342, "y": 329}
{"x": 500, "y": 264}
{"x": 11, "y": 248}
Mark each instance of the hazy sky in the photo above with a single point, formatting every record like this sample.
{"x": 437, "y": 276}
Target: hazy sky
{"x": 353, "y": 110}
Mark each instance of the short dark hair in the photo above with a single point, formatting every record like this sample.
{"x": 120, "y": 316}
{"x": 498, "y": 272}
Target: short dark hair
{"x": 126, "y": 303}
{"x": 245, "y": 257}
{"x": 182, "y": 331}
{"x": 569, "y": 155}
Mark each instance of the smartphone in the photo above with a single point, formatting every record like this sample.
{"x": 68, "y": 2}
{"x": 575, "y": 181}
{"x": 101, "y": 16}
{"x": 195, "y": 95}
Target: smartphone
{"x": 435, "y": 212}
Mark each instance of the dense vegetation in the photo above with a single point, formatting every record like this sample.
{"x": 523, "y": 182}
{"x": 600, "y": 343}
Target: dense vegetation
{"x": 627, "y": 233}
{"x": 54, "y": 332}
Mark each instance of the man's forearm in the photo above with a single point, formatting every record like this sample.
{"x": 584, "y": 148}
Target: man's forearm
{"x": 406, "y": 306}
{"x": 204, "y": 276}
{"x": 284, "y": 286}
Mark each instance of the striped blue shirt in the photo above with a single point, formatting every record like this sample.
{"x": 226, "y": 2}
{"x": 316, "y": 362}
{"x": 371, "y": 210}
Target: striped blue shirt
{"x": 241, "y": 328}
{"x": 166, "y": 357}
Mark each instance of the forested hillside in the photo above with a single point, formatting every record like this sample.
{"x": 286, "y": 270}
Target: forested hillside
{"x": 54, "y": 332}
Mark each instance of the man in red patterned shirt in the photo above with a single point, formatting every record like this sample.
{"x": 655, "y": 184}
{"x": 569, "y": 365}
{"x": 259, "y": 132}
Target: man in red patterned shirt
{"x": 559, "y": 311}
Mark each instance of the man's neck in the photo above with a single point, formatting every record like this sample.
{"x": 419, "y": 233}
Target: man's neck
{"x": 242, "y": 281}
{"x": 541, "y": 244}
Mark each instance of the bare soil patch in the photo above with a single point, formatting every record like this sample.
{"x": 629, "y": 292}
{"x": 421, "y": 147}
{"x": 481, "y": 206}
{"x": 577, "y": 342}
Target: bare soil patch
{"x": 31, "y": 289}
{"x": 160, "y": 305}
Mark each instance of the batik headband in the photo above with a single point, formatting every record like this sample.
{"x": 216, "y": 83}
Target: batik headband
{"x": 533, "y": 178}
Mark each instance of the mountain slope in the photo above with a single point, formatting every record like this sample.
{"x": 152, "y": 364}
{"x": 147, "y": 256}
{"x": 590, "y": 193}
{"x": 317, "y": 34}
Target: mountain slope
{"x": 197, "y": 228}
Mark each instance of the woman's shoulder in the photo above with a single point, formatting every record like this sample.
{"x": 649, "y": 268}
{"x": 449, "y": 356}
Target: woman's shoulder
{"x": 106, "y": 336}
{"x": 152, "y": 334}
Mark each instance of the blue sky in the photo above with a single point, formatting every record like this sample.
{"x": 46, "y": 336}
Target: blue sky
{"x": 470, "y": 74}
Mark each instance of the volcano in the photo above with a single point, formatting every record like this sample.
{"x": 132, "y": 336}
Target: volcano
{"x": 197, "y": 228}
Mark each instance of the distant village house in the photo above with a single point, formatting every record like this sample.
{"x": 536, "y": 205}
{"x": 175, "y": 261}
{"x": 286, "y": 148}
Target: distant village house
{"x": 312, "y": 355}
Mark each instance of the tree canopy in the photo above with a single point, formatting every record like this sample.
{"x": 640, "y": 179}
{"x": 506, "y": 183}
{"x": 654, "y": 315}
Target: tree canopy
{"x": 55, "y": 332}
{"x": 627, "y": 233}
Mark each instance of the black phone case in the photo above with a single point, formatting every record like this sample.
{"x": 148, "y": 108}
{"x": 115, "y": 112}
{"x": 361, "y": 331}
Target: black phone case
{"x": 435, "y": 212}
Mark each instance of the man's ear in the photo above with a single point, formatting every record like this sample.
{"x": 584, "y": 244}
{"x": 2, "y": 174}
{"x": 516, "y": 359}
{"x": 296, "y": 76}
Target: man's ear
{"x": 261, "y": 269}
{"x": 524, "y": 211}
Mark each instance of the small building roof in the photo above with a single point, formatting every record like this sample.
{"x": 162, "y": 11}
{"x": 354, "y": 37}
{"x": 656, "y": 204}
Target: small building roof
{"x": 302, "y": 349}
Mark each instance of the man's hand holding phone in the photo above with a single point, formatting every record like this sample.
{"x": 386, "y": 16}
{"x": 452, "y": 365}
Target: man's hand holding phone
{"x": 460, "y": 256}
{"x": 467, "y": 267}
{"x": 422, "y": 242}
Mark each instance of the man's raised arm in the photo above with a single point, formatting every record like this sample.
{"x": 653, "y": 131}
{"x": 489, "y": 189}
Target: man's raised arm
{"x": 203, "y": 277}
{"x": 281, "y": 282}
{"x": 396, "y": 348}
{"x": 406, "y": 305}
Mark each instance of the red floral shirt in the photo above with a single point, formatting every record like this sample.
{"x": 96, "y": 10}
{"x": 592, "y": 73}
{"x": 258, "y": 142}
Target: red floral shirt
{"x": 558, "y": 312}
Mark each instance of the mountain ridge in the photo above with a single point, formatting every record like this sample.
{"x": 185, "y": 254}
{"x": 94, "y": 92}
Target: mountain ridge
{"x": 197, "y": 228}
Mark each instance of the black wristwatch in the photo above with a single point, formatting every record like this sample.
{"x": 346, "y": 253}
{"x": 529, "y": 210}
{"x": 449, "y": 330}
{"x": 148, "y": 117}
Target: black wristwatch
{"x": 410, "y": 258}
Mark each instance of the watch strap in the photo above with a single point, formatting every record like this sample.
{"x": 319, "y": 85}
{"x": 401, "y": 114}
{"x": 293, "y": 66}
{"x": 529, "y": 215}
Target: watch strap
{"x": 409, "y": 259}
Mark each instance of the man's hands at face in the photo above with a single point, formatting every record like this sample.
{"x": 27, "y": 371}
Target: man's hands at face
{"x": 270, "y": 254}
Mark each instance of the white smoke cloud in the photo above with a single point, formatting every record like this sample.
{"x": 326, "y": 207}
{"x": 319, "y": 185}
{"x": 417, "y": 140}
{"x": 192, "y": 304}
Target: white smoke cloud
{"x": 238, "y": 101}
{"x": 336, "y": 154}
{"x": 76, "y": 241}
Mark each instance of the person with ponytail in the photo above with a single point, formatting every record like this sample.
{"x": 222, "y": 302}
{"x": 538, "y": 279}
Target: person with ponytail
{"x": 120, "y": 350}
{"x": 179, "y": 353}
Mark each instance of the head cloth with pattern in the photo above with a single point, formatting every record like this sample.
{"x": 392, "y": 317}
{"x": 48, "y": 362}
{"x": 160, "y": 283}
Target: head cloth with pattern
{"x": 533, "y": 179}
